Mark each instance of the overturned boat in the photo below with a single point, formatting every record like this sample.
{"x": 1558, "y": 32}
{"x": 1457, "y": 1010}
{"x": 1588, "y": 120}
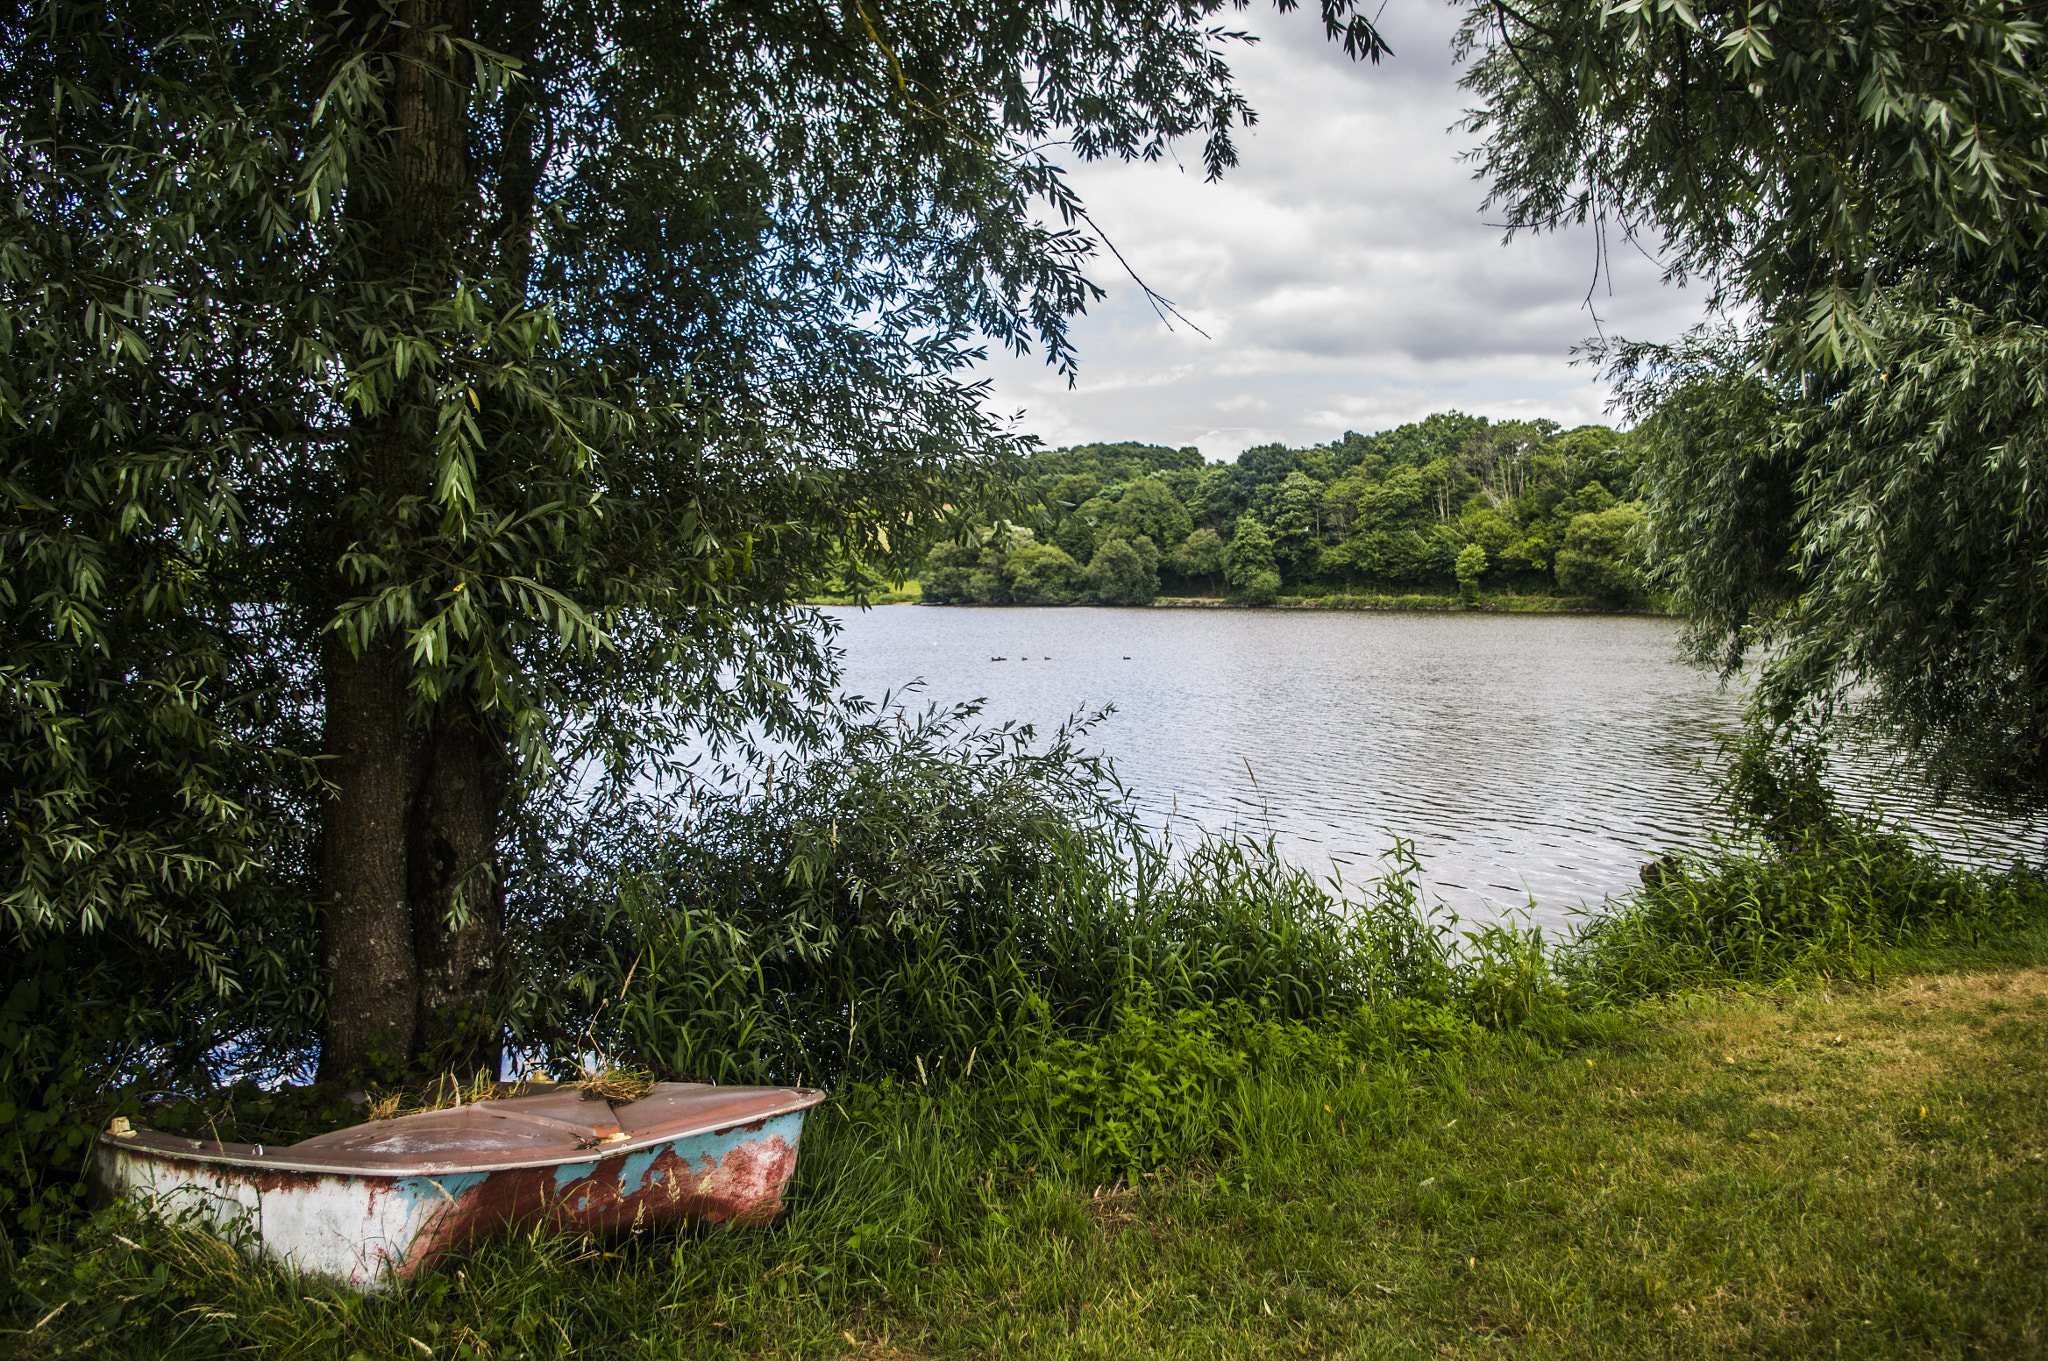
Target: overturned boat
{"x": 378, "y": 1202}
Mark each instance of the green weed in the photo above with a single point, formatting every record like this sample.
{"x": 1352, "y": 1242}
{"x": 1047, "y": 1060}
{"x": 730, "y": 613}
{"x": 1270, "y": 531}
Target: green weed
{"x": 1801, "y": 1173}
{"x": 1093, "y": 1097}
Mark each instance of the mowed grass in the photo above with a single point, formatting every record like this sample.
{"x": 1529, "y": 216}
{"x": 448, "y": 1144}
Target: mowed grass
{"x": 1856, "y": 1171}
{"x": 890, "y": 593}
{"x": 1852, "y": 1173}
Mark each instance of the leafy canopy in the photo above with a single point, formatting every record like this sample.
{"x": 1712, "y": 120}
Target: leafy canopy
{"x": 1846, "y": 476}
{"x": 555, "y": 348}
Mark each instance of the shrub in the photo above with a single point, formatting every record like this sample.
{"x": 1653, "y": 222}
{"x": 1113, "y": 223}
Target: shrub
{"x": 1602, "y": 555}
{"x": 947, "y": 572}
{"x": 920, "y": 892}
{"x": 1812, "y": 893}
{"x": 1250, "y": 552}
{"x": 1261, "y": 587}
{"x": 1041, "y": 574}
{"x": 1471, "y": 566}
{"x": 1411, "y": 1025}
{"x": 1815, "y": 910}
{"x": 1144, "y": 1094}
{"x": 1149, "y": 509}
{"x": 1162, "y": 1087}
{"x": 1119, "y": 574}
{"x": 1200, "y": 555}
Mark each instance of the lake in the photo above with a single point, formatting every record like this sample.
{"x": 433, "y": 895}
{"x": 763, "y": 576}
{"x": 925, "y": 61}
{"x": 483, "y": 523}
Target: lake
{"x": 1529, "y": 757}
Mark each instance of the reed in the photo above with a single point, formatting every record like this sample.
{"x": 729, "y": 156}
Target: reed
{"x": 929, "y": 893}
{"x": 1832, "y": 906}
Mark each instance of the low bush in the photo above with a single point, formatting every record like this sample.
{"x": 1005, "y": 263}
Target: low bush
{"x": 1824, "y": 908}
{"x": 1805, "y": 890}
{"x": 924, "y": 892}
{"x": 1162, "y": 1088}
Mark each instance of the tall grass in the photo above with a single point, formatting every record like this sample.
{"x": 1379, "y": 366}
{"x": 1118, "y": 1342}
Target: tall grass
{"x": 1824, "y": 908}
{"x": 925, "y": 900}
{"x": 932, "y": 903}
{"x": 1803, "y": 889}
{"x": 929, "y": 893}
{"x": 896, "y": 1181}
{"x": 1021, "y": 1001}
{"x": 1012, "y": 990}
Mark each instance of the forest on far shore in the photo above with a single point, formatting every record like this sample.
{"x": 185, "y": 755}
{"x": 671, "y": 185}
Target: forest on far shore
{"x": 1451, "y": 501}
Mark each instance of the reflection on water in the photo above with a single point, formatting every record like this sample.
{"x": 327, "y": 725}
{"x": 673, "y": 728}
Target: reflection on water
{"x": 1527, "y": 756}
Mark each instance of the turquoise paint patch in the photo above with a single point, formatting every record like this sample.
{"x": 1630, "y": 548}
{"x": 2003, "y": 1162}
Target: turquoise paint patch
{"x": 704, "y": 1152}
{"x": 633, "y": 1171}
{"x": 707, "y": 1151}
{"x": 569, "y": 1172}
{"x": 438, "y": 1190}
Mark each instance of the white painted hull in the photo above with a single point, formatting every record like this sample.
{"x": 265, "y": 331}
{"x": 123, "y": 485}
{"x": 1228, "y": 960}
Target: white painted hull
{"x": 371, "y": 1226}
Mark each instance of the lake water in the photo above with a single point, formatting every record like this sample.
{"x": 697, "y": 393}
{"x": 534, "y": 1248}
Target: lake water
{"x": 1538, "y": 757}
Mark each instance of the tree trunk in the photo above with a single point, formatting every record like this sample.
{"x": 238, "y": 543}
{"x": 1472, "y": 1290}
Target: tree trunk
{"x": 462, "y": 765}
{"x": 514, "y": 28}
{"x": 368, "y": 935}
{"x": 458, "y": 905}
{"x": 406, "y": 215}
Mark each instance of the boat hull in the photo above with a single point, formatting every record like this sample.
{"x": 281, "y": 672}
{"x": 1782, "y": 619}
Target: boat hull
{"x": 369, "y": 1229}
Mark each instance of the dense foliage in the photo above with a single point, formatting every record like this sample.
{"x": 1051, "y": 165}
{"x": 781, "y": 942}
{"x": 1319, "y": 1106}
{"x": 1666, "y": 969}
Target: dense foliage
{"x": 1545, "y": 509}
{"x": 415, "y": 419}
{"x": 1847, "y": 478}
{"x": 1004, "y": 956}
{"x": 924, "y": 890}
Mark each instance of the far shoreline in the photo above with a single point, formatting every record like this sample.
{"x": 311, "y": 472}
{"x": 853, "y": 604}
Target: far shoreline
{"x": 1384, "y": 604}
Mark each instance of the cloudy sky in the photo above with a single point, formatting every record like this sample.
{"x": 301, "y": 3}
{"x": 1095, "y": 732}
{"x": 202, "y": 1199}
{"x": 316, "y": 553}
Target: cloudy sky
{"x": 1344, "y": 271}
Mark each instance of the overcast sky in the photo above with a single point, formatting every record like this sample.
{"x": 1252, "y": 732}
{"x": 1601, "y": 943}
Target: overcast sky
{"x": 1343, "y": 270}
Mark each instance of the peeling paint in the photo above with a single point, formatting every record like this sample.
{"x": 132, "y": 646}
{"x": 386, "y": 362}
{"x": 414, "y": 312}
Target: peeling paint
{"x": 569, "y": 1172}
{"x": 370, "y": 1227}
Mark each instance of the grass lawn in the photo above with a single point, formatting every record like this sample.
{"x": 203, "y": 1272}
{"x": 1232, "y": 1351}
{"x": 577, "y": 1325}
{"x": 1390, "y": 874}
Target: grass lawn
{"x": 1852, "y": 1172}
{"x": 895, "y": 593}
{"x": 1856, "y": 1173}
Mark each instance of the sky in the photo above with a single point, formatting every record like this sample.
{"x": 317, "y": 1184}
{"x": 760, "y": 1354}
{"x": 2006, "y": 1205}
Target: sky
{"x": 1344, "y": 270}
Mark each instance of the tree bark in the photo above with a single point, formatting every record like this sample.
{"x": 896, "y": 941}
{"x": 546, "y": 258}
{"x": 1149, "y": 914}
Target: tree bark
{"x": 368, "y": 935}
{"x": 462, "y": 765}
{"x": 406, "y": 216}
{"x": 458, "y": 905}
{"x": 515, "y": 29}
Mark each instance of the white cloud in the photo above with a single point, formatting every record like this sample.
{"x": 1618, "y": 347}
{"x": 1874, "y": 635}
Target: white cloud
{"x": 1344, "y": 272}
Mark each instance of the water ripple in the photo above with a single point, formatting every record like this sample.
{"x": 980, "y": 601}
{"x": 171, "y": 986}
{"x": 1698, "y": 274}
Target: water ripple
{"x": 1530, "y": 758}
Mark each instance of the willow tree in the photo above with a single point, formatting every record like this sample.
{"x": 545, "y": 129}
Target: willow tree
{"x": 1850, "y": 476}
{"x": 405, "y": 401}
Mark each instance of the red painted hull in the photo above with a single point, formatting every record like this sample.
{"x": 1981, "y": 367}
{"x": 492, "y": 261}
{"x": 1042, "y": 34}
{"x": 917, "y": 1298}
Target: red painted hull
{"x": 385, "y": 1201}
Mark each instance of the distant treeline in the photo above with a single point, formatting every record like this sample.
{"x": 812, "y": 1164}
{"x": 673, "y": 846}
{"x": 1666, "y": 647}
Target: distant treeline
{"x": 1452, "y": 500}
